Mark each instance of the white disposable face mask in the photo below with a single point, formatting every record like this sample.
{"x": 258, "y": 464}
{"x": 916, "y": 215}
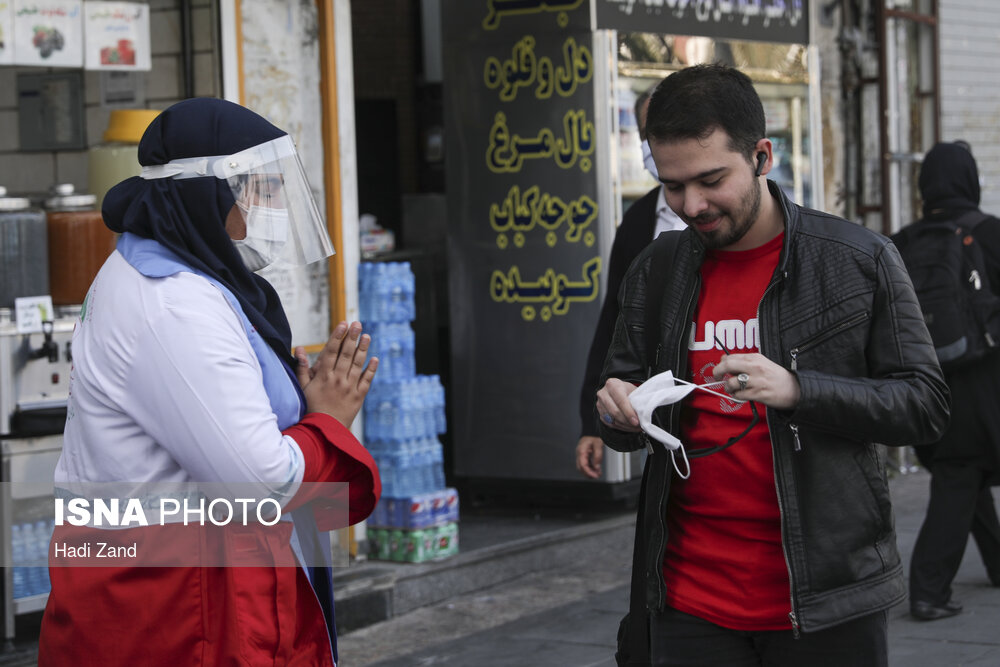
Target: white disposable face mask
{"x": 267, "y": 232}
{"x": 647, "y": 160}
{"x": 662, "y": 389}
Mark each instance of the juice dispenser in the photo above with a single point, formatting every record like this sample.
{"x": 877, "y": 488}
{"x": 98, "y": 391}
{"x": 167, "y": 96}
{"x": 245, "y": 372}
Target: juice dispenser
{"x": 24, "y": 266}
{"x": 117, "y": 158}
{"x": 79, "y": 242}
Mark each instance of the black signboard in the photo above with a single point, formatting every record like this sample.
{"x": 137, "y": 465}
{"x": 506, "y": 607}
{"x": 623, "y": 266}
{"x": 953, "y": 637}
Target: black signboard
{"x": 755, "y": 20}
{"x": 524, "y": 258}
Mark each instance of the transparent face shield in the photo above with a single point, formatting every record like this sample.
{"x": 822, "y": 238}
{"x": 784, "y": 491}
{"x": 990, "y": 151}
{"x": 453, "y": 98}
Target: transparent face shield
{"x": 283, "y": 223}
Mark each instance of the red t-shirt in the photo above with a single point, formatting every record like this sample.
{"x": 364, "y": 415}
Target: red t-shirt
{"x": 724, "y": 562}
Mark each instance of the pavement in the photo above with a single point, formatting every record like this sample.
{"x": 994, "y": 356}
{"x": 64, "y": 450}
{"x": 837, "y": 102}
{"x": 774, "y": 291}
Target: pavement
{"x": 543, "y": 587}
{"x": 570, "y": 616}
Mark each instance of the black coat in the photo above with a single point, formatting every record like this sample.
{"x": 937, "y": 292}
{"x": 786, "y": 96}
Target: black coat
{"x": 634, "y": 233}
{"x": 949, "y": 182}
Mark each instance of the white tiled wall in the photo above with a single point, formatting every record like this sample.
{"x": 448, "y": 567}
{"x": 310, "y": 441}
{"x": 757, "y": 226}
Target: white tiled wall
{"x": 23, "y": 173}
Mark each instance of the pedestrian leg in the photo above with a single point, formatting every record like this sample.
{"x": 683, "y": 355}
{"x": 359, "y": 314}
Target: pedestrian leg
{"x": 944, "y": 534}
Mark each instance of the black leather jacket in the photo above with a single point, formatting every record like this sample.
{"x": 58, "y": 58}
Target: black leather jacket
{"x": 839, "y": 312}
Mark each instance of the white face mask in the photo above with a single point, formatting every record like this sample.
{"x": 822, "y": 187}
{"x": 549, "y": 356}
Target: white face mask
{"x": 267, "y": 232}
{"x": 647, "y": 160}
{"x": 662, "y": 389}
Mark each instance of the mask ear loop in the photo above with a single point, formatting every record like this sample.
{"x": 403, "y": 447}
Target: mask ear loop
{"x": 705, "y": 388}
{"x": 683, "y": 450}
{"x": 687, "y": 464}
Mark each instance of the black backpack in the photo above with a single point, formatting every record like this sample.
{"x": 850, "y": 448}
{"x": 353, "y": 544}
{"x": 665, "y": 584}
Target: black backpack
{"x": 950, "y": 277}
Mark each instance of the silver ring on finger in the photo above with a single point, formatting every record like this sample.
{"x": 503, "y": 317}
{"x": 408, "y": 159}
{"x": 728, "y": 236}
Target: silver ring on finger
{"x": 743, "y": 379}
{"x": 608, "y": 419}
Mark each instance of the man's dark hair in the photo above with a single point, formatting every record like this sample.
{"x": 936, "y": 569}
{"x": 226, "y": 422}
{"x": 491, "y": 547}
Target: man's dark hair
{"x": 637, "y": 108}
{"x": 693, "y": 102}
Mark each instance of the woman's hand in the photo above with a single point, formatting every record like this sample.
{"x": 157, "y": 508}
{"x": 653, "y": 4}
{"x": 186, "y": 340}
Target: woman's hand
{"x": 339, "y": 380}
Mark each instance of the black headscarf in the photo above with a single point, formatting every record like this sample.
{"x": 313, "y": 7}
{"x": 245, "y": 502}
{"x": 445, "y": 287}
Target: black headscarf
{"x": 188, "y": 215}
{"x": 949, "y": 180}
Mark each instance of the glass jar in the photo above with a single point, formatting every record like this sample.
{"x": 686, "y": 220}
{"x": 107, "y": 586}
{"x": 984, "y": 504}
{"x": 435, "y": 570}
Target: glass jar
{"x": 79, "y": 243}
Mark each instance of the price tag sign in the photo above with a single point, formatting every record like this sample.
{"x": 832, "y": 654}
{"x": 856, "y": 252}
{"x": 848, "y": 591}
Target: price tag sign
{"x": 31, "y": 311}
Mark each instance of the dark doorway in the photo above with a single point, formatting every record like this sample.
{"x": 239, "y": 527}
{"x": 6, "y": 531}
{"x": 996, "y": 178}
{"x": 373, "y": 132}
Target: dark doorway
{"x": 378, "y": 153}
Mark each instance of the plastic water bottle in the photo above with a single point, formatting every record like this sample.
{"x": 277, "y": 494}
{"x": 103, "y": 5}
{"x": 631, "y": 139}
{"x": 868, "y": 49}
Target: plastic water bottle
{"x": 406, "y": 412}
{"x": 433, "y": 463}
{"x": 19, "y": 557}
{"x": 397, "y": 296}
{"x": 416, "y": 389}
{"x": 364, "y": 287}
{"x": 410, "y": 289}
{"x": 427, "y": 405}
{"x": 437, "y": 463}
{"x": 409, "y": 350}
{"x": 388, "y": 470}
{"x": 383, "y": 293}
{"x": 419, "y": 467}
{"x": 413, "y": 468}
{"x": 37, "y": 551}
{"x": 47, "y": 529}
{"x": 395, "y": 354}
{"x": 440, "y": 420}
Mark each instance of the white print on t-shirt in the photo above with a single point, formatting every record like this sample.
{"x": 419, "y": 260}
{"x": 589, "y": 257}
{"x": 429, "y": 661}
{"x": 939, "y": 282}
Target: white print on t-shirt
{"x": 725, "y": 404}
{"x": 736, "y": 335}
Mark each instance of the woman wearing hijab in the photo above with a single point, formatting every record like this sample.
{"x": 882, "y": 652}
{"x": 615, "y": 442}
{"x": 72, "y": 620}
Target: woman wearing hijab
{"x": 183, "y": 374}
{"x": 966, "y": 461}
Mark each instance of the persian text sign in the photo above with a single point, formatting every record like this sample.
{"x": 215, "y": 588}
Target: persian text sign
{"x": 757, "y": 20}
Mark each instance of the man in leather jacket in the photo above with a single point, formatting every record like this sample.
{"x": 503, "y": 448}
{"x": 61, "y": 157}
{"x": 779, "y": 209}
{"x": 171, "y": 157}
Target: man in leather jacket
{"x": 779, "y": 549}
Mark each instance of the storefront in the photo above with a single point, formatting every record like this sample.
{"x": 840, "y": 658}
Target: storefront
{"x": 542, "y": 159}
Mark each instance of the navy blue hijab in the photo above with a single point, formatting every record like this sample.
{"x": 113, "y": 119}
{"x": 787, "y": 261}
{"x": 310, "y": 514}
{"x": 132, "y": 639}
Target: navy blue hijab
{"x": 188, "y": 215}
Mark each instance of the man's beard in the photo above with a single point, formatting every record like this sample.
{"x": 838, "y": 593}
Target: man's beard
{"x": 741, "y": 221}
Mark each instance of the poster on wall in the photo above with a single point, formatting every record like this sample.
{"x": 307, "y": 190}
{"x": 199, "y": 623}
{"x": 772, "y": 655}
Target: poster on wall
{"x": 281, "y": 81}
{"x": 48, "y": 33}
{"x": 6, "y": 32}
{"x": 117, "y": 36}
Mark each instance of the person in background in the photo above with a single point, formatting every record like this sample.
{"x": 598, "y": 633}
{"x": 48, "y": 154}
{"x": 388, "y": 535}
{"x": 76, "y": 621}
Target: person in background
{"x": 643, "y": 221}
{"x": 966, "y": 460}
{"x": 775, "y": 544}
{"x": 183, "y": 372}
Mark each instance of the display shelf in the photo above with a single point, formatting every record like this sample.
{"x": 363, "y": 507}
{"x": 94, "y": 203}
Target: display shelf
{"x": 30, "y": 604}
{"x": 29, "y": 465}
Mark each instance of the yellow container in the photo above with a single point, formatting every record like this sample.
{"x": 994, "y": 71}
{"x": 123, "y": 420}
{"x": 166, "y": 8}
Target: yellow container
{"x": 117, "y": 158}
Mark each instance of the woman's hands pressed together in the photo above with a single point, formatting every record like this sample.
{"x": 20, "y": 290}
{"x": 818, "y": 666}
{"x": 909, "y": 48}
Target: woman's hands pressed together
{"x": 339, "y": 380}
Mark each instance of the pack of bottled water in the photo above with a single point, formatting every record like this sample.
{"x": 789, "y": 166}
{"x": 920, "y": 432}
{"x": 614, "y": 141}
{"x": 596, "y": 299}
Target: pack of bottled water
{"x": 386, "y": 291}
{"x": 405, "y": 409}
{"x": 409, "y": 467}
{"x": 394, "y": 344}
{"x": 30, "y": 555}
